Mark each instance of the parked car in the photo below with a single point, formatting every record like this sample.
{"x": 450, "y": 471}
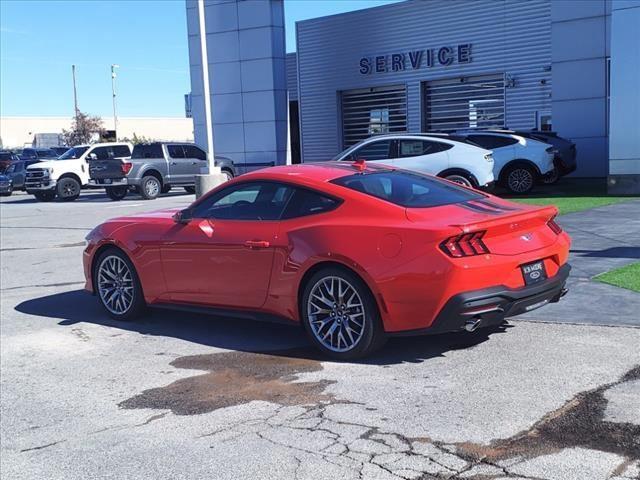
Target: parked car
{"x": 16, "y": 172}
{"x": 6, "y": 185}
{"x": 455, "y": 159}
{"x": 66, "y": 175}
{"x": 38, "y": 154}
{"x": 423, "y": 255}
{"x": 155, "y": 168}
{"x": 519, "y": 162}
{"x": 565, "y": 155}
{"x": 7, "y": 158}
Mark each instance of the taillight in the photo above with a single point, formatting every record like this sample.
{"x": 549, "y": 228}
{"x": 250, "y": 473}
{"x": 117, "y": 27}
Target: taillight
{"x": 465, "y": 245}
{"x": 555, "y": 228}
{"x": 126, "y": 167}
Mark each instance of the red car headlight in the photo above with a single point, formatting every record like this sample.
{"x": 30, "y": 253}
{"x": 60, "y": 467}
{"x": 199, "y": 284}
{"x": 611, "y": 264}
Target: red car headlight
{"x": 465, "y": 245}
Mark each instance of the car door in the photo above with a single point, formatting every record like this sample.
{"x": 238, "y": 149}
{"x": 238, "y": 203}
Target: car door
{"x": 197, "y": 159}
{"x": 424, "y": 156}
{"x": 180, "y": 167}
{"x": 379, "y": 151}
{"x": 223, "y": 256}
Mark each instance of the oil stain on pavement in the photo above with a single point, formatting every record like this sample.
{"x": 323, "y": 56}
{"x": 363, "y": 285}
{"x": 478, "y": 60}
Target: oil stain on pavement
{"x": 578, "y": 423}
{"x": 235, "y": 378}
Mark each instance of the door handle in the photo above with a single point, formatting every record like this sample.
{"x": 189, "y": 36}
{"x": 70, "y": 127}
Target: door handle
{"x": 194, "y": 163}
{"x": 256, "y": 244}
{"x": 174, "y": 163}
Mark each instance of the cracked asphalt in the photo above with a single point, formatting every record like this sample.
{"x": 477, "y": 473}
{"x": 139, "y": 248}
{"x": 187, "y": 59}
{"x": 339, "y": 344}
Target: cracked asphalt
{"x": 553, "y": 395}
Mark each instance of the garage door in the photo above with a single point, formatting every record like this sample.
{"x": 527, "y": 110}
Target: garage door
{"x": 370, "y": 111}
{"x": 464, "y": 102}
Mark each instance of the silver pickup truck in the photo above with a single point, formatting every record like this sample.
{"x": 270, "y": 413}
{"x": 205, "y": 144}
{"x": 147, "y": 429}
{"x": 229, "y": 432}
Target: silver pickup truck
{"x": 154, "y": 168}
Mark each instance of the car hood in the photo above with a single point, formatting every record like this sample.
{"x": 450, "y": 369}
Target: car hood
{"x": 145, "y": 217}
{"x": 45, "y": 164}
{"x": 3, "y": 178}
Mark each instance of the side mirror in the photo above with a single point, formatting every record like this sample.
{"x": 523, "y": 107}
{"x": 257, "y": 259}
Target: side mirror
{"x": 183, "y": 216}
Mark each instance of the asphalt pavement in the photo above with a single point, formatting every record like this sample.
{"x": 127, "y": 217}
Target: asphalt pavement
{"x": 552, "y": 395}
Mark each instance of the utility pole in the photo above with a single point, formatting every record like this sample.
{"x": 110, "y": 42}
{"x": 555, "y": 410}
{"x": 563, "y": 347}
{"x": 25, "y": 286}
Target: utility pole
{"x": 206, "y": 90}
{"x": 113, "y": 92}
{"x": 75, "y": 93}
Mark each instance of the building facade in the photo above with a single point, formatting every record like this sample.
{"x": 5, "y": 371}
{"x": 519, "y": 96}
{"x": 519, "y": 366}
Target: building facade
{"x": 444, "y": 65}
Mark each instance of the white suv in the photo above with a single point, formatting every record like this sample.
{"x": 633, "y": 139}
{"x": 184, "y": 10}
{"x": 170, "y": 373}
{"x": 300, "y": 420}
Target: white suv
{"x": 66, "y": 175}
{"x": 519, "y": 162}
{"x": 441, "y": 155}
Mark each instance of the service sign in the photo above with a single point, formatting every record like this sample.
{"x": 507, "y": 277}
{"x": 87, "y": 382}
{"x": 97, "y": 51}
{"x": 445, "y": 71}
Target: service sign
{"x": 416, "y": 59}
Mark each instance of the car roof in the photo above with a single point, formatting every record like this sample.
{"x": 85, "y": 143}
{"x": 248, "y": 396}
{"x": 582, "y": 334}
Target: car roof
{"x": 314, "y": 173}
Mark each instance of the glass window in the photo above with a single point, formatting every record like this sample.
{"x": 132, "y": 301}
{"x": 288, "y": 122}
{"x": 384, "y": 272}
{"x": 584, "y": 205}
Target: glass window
{"x": 175, "y": 151}
{"x": 11, "y": 168}
{"x": 191, "y": 151}
{"x": 6, "y": 156}
{"x": 407, "y": 189}
{"x": 75, "y": 152}
{"x": 101, "y": 153}
{"x": 379, "y": 150}
{"x": 415, "y": 148}
{"x": 379, "y": 121}
{"x": 29, "y": 153}
{"x": 306, "y": 202}
{"x": 120, "y": 151}
{"x": 247, "y": 201}
{"x": 153, "y": 150}
{"x": 490, "y": 142}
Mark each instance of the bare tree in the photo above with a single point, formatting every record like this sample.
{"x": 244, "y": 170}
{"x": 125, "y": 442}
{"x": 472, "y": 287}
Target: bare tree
{"x": 83, "y": 128}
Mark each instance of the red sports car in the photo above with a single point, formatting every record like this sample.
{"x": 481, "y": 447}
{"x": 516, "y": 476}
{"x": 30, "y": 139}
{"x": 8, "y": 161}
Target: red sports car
{"x": 353, "y": 252}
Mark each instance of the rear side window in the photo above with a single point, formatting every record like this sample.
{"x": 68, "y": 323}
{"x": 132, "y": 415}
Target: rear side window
{"x": 102, "y": 153}
{"x": 175, "y": 151}
{"x": 379, "y": 150}
{"x": 121, "y": 151}
{"x": 407, "y": 189}
{"x": 415, "y": 148}
{"x": 306, "y": 202}
{"x": 191, "y": 151}
{"x": 148, "y": 151}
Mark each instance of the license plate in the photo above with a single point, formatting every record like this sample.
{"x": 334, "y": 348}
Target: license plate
{"x": 108, "y": 181}
{"x": 534, "y": 272}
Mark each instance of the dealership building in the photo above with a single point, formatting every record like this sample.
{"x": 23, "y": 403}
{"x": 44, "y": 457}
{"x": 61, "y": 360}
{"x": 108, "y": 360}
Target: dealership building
{"x": 422, "y": 65}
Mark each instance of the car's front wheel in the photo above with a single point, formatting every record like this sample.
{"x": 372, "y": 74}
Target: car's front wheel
{"x": 520, "y": 179}
{"x": 116, "y": 193}
{"x": 552, "y": 177}
{"x": 340, "y": 314}
{"x": 8, "y": 192}
{"x": 68, "y": 189}
{"x": 461, "y": 179}
{"x": 117, "y": 285}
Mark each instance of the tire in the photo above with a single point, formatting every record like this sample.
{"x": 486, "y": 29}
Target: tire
{"x": 551, "y": 178}
{"x": 117, "y": 285}
{"x": 462, "y": 179}
{"x": 45, "y": 196}
{"x": 150, "y": 187}
{"x": 166, "y": 189}
{"x": 519, "y": 179}
{"x": 228, "y": 174}
{"x": 68, "y": 189}
{"x": 352, "y": 340}
{"x": 190, "y": 190}
{"x": 8, "y": 192}
{"x": 116, "y": 193}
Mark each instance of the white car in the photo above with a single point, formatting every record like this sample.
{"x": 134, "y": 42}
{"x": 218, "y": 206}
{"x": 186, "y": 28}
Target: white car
{"x": 441, "y": 155}
{"x": 66, "y": 175}
{"x": 519, "y": 162}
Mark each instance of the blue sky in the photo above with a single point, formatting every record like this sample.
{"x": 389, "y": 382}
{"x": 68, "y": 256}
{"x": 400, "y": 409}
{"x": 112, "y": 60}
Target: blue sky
{"x": 40, "y": 40}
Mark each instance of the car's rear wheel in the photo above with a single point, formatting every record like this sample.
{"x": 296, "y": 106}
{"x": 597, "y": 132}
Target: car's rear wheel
{"x": 45, "y": 196}
{"x": 552, "y": 177}
{"x": 68, "y": 189}
{"x": 227, "y": 174}
{"x": 166, "y": 188}
{"x": 117, "y": 285}
{"x": 520, "y": 179}
{"x": 461, "y": 179}
{"x": 340, "y": 314}
{"x": 8, "y": 192}
{"x": 190, "y": 190}
{"x": 150, "y": 187}
{"x": 116, "y": 193}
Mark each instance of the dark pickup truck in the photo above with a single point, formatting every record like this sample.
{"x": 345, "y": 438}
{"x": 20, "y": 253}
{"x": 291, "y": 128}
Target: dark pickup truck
{"x": 153, "y": 169}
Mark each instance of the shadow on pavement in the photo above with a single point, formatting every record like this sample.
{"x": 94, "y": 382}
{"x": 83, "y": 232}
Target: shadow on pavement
{"x": 91, "y": 197}
{"x": 78, "y": 306}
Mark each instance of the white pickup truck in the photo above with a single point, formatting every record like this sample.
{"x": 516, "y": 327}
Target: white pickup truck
{"x": 66, "y": 175}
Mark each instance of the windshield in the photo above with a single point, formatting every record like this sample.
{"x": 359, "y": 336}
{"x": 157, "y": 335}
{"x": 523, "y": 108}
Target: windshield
{"x": 75, "y": 152}
{"x": 407, "y": 189}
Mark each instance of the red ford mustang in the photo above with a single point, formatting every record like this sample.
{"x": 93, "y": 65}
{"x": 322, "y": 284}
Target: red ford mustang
{"x": 353, "y": 252}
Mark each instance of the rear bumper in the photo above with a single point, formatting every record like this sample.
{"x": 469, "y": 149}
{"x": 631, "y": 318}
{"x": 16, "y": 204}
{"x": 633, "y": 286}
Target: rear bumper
{"x": 492, "y": 305}
{"x": 108, "y": 182}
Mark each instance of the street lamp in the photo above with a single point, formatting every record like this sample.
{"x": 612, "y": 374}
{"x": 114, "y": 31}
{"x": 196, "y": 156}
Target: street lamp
{"x": 113, "y": 92}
